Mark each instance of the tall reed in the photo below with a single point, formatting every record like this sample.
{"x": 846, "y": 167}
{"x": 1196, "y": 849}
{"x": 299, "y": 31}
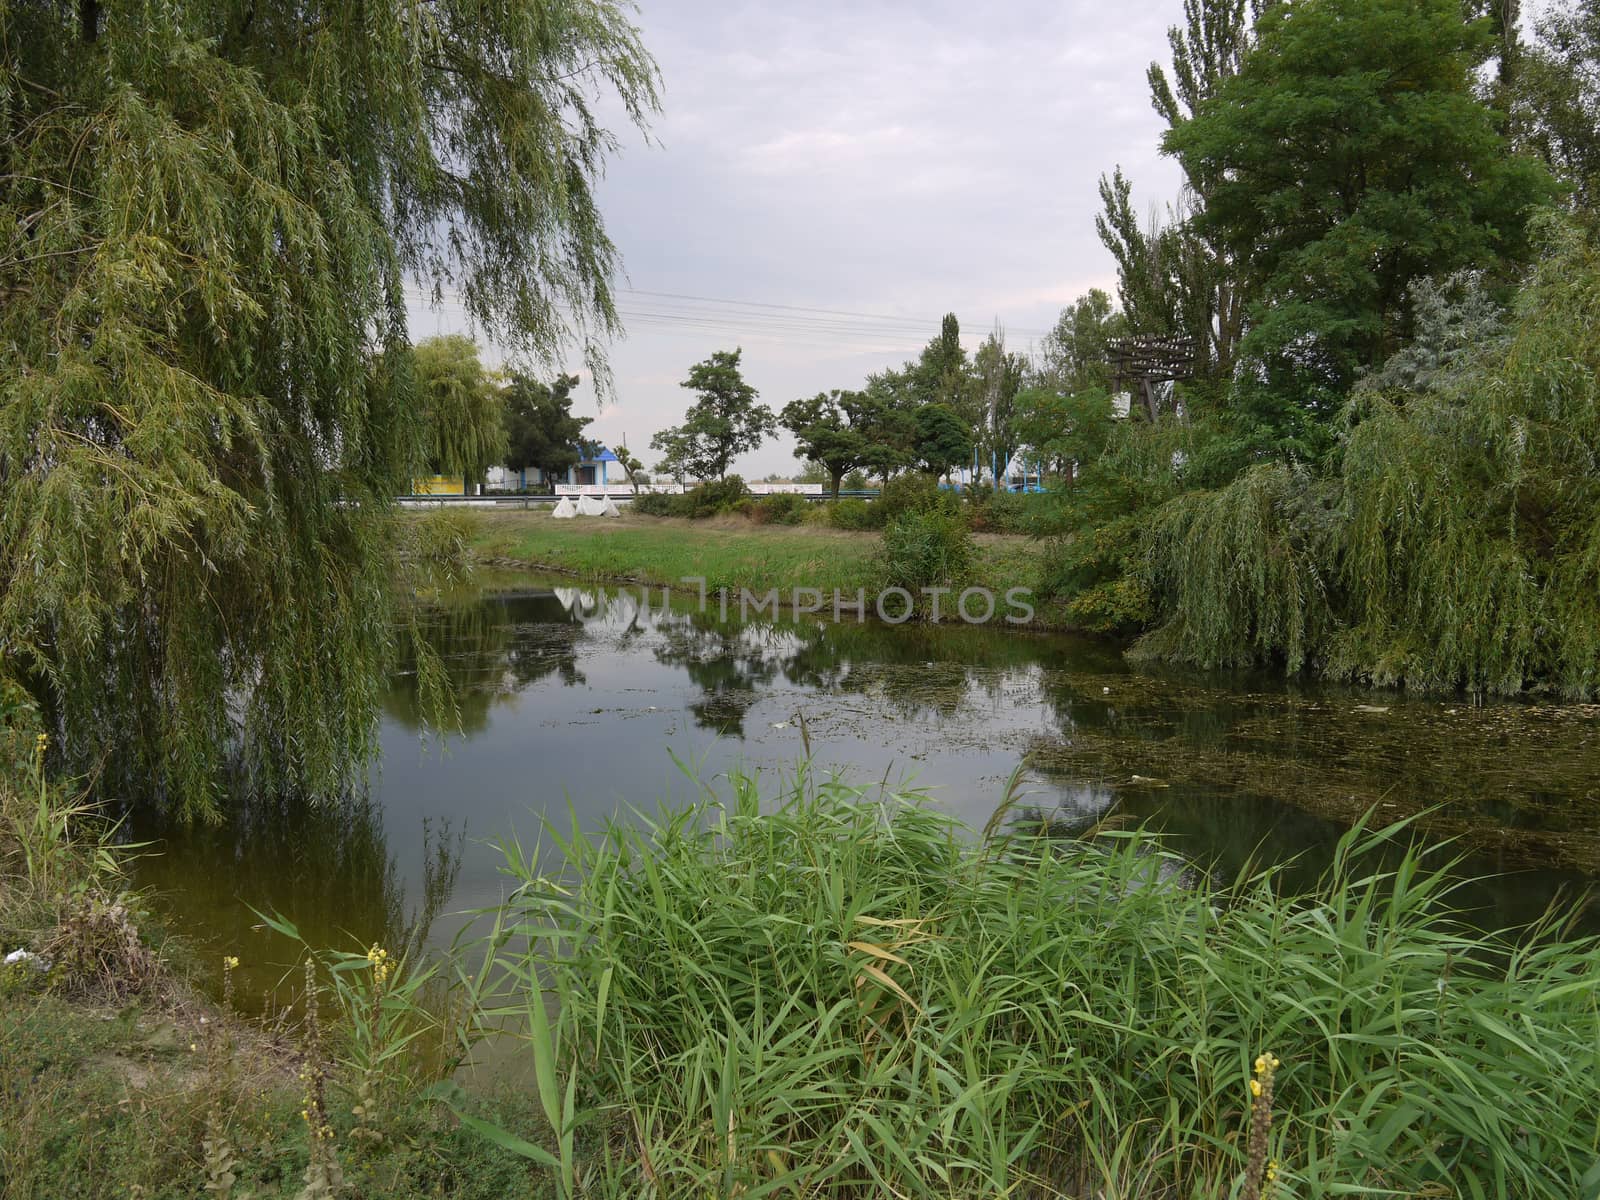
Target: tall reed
{"x": 810, "y": 994}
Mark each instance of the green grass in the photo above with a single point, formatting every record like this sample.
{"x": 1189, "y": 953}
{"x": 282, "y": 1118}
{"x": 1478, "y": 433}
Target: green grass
{"x": 728, "y": 553}
{"x": 822, "y": 993}
{"x": 118, "y": 1078}
{"x": 114, "y": 1103}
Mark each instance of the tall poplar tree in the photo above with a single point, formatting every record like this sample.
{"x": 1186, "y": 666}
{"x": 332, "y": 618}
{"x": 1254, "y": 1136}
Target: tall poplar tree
{"x": 209, "y": 212}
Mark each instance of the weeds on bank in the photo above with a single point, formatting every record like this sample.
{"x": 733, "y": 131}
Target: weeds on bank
{"x": 817, "y": 994}
{"x": 117, "y": 1081}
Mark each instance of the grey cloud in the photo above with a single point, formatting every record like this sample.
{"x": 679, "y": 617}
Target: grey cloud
{"x": 898, "y": 158}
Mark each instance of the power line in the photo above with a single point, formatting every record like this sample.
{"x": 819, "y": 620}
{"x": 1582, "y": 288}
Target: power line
{"x": 753, "y": 315}
{"x": 921, "y": 323}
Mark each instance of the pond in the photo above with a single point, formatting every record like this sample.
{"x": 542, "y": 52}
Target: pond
{"x": 581, "y": 702}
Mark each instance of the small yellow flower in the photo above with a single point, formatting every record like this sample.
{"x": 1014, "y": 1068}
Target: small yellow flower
{"x": 230, "y": 961}
{"x": 1255, "y": 1087}
{"x": 193, "y": 1047}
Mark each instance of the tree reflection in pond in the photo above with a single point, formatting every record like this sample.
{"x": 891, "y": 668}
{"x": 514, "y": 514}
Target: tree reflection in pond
{"x": 327, "y": 865}
{"x": 573, "y": 698}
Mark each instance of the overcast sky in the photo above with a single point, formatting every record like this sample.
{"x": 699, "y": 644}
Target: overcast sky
{"x": 894, "y": 159}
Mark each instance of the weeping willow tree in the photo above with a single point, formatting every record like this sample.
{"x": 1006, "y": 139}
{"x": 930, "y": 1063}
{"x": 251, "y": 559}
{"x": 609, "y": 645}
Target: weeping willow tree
{"x": 208, "y": 215}
{"x": 1472, "y": 553}
{"x": 1458, "y": 546}
{"x": 463, "y": 412}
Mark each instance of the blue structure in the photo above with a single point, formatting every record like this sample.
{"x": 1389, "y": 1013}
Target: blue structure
{"x": 587, "y": 472}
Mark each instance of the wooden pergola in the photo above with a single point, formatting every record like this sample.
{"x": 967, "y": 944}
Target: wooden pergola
{"x": 1139, "y": 363}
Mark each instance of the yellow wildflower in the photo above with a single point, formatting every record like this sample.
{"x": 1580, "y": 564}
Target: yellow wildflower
{"x": 1255, "y": 1087}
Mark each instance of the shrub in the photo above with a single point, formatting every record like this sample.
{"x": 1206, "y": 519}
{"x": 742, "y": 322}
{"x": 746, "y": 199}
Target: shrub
{"x": 989, "y": 511}
{"x": 913, "y": 491}
{"x": 852, "y": 514}
{"x": 656, "y": 504}
{"x": 781, "y": 508}
{"x": 714, "y": 498}
{"x": 927, "y": 548}
{"x": 442, "y": 538}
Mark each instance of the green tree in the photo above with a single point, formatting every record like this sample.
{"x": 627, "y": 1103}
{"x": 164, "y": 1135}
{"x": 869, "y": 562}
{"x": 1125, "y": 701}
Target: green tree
{"x": 998, "y": 375}
{"x": 1064, "y": 429}
{"x": 1348, "y": 156}
{"x": 723, "y": 422}
{"x": 208, "y": 215}
{"x": 942, "y": 374}
{"x": 826, "y": 434}
{"x": 1072, "y": 355}
{"x": 1064, "y": 415}
{"x": 1209, "y": 48}
{"x": 674, "y": 446}
{"x": 1146, "y": 280}
{"x": 1557, "y": 97}
{"x": 463, "y": 411}
{"x": 886, "y": 416}
{"x": 632, "y": 468}
{"x": 943, "y": 440}
{"x": 540, "y": 428}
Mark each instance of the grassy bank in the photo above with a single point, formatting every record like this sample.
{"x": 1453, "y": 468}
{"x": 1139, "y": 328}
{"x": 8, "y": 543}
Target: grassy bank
{"x": 728, "y": 552}
{"x": 125, "y": 1070}
{"x": 154, "y": 1099}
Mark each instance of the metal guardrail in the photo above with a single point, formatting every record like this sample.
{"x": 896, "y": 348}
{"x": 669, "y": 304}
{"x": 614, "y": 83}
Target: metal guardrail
{"x": 515, "y": 500}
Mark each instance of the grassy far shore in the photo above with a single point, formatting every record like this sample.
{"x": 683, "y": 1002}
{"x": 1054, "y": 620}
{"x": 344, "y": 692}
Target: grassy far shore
{"x": 728, "y": 552}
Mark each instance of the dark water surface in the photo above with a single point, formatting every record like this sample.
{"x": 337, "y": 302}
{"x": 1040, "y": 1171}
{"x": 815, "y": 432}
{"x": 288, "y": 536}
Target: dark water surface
{"x": 578, "y": 697}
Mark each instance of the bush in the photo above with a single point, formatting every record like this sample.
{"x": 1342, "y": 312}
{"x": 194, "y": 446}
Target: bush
{"x": 443, "y": 537}
{"x": 852, "y": 514}
{"x": 927, "y": 548}
{"x": 707, "y": 500}
{"x": 657, "y": 504}
{"x": 912, "y": 492}
{"x": 714, "y": 498}
{"x": 989, "y": 511}
{"x": 780, "y": 508}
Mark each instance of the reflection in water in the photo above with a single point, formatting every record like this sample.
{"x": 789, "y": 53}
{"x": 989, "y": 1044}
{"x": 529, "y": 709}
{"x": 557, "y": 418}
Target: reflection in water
{"x": 326, "y": 865}
{"x": 571, "y": 698}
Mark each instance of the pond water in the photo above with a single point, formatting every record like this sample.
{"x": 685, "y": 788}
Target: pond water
{"x": 576, "y": 700}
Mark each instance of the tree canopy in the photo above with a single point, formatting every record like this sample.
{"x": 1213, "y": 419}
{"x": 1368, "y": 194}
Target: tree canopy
{"x": 724, "y": 421}
{"x": 1346, "y": 156}
{"x": 1556, "y": 95}
{"x": 832, "y": 429}
{"x": 943, "y": 439}
{"x": 541, "y": 430}
{"x": 208, "y": 216}
{"x": 463, "y": 412}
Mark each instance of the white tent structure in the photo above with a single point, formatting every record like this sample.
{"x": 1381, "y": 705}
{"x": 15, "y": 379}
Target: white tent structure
{"x": 566, "y": 509}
